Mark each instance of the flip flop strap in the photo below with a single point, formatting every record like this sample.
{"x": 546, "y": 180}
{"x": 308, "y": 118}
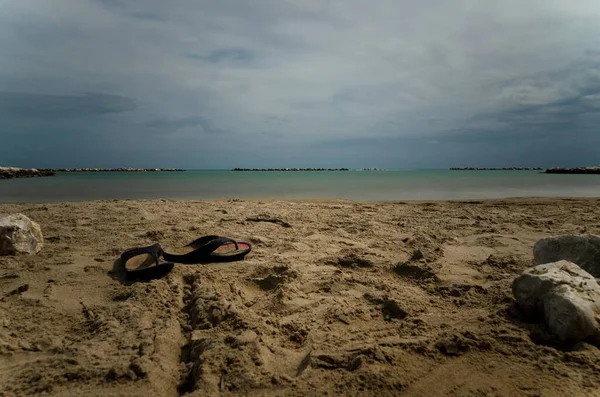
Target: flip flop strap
{"x": 202, "y": 240}
{"x": 155, "y": 250}
{"x": 209, "y": 248}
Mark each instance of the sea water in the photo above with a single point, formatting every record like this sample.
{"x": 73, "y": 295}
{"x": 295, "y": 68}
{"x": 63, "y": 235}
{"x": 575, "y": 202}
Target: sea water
{"x": 356, "y": 185}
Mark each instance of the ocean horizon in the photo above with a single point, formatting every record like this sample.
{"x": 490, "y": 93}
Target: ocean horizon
{"x": 355, "y": 184}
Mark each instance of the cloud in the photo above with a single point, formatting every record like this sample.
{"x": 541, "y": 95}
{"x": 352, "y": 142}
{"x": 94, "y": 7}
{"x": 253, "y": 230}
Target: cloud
{"x": 564, "y": 101}
{"x": 349, "y": 80}
{"x": 61, "y": 106}
{"x": 148, "y": 16}
{"x": 225, "y": 55}
{"x": 204, "y": 125}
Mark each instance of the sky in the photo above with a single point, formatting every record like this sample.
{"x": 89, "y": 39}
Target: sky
{"x": 299, "y": 83}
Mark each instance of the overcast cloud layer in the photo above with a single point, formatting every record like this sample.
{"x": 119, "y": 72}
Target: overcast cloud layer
{"x": 219, "y": 84}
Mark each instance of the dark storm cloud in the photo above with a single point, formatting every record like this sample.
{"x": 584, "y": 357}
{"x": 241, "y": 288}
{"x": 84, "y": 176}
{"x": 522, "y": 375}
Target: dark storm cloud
{"x": 204, "y": 124}
{"x": 399, "y": 84}
{"x": 563, "y": 102}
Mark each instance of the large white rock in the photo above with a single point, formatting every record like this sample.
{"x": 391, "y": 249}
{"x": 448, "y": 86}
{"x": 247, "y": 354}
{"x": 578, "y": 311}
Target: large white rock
{"x": 583, "y": 250}
{"x": 19, "y": 234}
{"x": 566, "y": 296}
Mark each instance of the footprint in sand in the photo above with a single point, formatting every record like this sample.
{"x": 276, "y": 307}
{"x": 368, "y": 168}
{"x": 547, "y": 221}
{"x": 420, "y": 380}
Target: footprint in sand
{"x": 350, "y": 258}
{"x": 49, "y": 291}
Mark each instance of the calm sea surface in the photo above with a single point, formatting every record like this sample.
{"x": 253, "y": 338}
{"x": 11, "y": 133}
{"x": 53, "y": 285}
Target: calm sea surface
{"x": 357, "y": 185}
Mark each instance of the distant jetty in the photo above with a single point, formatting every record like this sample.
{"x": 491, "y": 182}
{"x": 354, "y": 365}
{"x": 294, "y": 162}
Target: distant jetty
{"x": 113, "y": 169}
{"x": 578, "y": 170}
{"x": 14, "y": 172}
{"x": 496, "y": 169}
{"x": 291, "y": 169}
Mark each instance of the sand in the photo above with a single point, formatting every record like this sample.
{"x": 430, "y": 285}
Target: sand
{"x": 354, "y": 298}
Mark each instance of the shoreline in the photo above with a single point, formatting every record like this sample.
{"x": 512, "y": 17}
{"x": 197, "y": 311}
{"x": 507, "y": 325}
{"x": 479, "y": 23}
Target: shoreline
{"x": 400, "y": 186}
{"x": 315, "y": 200}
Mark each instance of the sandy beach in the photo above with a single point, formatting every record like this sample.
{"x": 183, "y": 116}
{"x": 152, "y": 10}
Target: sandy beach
{"x": 354, "y": 298}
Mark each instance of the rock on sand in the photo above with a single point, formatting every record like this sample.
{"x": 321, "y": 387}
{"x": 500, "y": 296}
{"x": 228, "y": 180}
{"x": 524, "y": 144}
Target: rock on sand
{"x": 583, "y": 250}
{"x": 566, "y": 296}
{"x": 19, "y": 234}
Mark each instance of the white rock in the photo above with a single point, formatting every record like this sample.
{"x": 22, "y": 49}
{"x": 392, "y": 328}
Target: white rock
{"x": 571, "y": 315}
{"x": 564, "y": 295}
{"x": 19, "y": 234}
{"x": 583, "y": 250}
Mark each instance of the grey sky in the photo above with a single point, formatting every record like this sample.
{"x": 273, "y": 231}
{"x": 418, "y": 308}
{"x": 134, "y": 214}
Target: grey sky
{"x": 218, "y": 84}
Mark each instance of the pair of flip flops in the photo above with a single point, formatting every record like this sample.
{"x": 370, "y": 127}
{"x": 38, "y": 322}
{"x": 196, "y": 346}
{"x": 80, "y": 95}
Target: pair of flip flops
{"x": 143, "y": 263}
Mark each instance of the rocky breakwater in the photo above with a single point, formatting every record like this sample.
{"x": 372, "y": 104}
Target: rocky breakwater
{"x": 496, "y": 169}
{"x": 290, "y": 169}
{"x": 578, "y": 170}
{"x": 14, "y": 172}
{"x": 114, "y": 169}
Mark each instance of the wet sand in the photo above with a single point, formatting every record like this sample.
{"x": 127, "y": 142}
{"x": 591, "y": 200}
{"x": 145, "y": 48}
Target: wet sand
{"x": 355, "y": 298}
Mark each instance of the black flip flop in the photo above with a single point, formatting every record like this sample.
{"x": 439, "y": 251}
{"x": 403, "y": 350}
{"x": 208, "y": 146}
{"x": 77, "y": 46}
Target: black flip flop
{"x": 208, "y": 249}
{"x": 139, "y": 263}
